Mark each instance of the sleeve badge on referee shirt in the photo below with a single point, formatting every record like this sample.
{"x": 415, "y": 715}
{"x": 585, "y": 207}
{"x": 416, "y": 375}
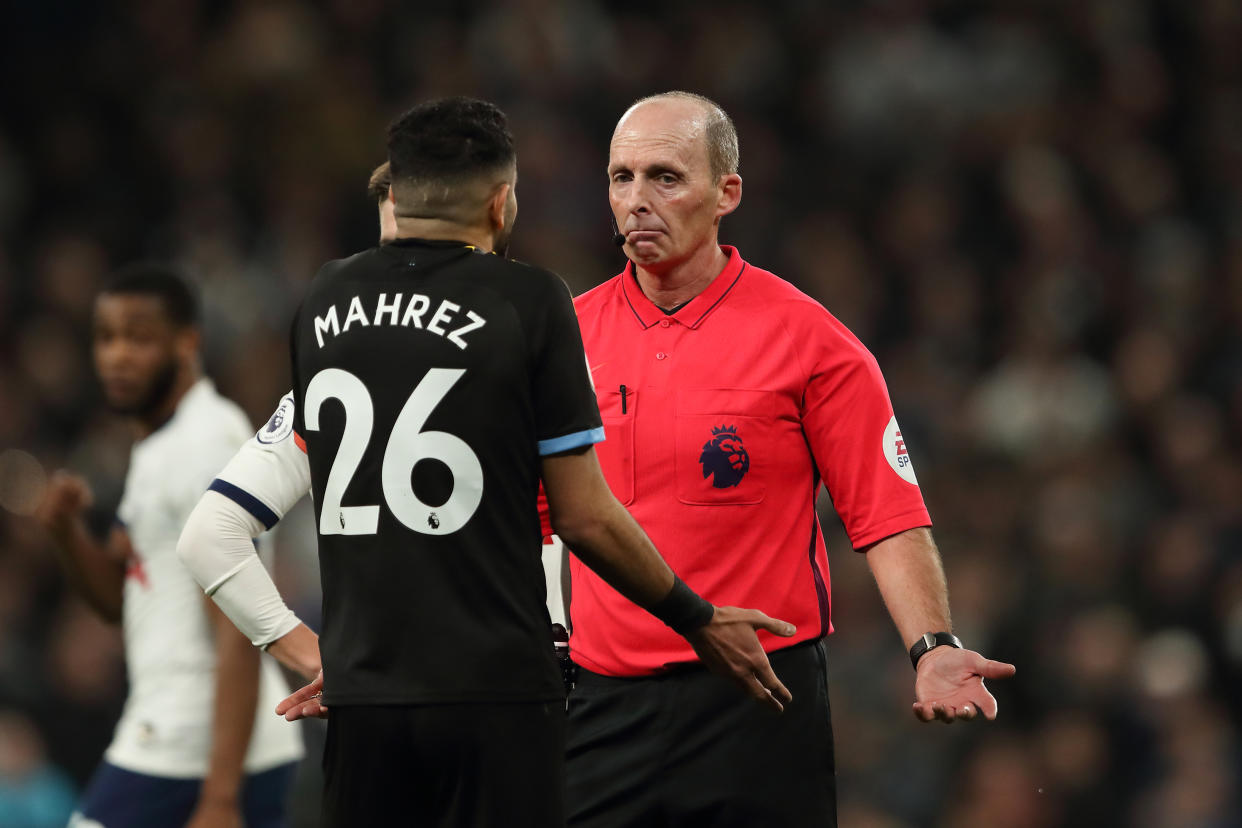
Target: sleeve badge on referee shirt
{"x": 895, "y": 453}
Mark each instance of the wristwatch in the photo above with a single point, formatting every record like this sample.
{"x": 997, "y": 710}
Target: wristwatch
{"x": 930, "y": 641}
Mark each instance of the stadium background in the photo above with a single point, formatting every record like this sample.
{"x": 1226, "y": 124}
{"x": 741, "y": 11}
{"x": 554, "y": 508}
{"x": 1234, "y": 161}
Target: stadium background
{"x": 1030, "y": 211}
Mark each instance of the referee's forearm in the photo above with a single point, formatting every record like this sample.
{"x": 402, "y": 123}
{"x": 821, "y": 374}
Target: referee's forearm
{"x": 910, "y": 576}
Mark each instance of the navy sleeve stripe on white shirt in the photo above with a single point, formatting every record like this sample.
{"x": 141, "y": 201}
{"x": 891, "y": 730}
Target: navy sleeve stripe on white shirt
{"x": 245, "y": 500}
{"x": 571, "y": 441}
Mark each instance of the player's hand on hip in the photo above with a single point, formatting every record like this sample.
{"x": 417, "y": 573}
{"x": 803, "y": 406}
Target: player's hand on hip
{"x": 949, "y": 685}
{"x": 305, "y": 703}
{"x": 67, "y": 496}
{"x": 729, "y": 647}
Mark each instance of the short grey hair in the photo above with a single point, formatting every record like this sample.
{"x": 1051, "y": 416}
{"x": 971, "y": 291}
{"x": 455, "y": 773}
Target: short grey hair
{"x": 721, "y": 135}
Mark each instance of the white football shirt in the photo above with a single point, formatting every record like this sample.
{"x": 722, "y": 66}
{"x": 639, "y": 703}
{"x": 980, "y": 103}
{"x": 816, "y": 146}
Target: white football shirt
{"x": 165, "y": 728}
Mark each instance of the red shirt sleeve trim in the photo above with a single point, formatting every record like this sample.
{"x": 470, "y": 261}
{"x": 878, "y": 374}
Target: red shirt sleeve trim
{"x": 297, "y": 439}
{"x": 914, "y": 519}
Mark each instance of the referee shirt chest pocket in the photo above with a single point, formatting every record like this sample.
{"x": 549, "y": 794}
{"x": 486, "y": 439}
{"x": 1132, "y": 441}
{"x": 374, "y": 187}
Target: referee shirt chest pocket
{"x": 722, "y": 440}
{"x": 616, "y": 453}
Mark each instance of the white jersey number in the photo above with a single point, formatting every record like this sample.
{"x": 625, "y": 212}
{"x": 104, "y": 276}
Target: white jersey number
{"x": 407, "y": 445}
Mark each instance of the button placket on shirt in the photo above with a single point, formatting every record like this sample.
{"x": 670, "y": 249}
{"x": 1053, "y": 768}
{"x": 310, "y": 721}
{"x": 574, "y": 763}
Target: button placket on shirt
{"x": 664, "y": 353}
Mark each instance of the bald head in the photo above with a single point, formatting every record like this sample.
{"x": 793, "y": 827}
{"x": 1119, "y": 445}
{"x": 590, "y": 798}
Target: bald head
{"x": 695, "y": 115}
{"x": 669, "y": 185}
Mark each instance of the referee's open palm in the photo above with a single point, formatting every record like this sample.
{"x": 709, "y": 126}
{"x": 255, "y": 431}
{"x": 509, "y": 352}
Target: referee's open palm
{"x": 950, "y": 685}
{"x": 728, "y": 646}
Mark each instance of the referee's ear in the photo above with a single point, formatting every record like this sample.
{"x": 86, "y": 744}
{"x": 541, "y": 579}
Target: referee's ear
{"x": 730, "y": 194}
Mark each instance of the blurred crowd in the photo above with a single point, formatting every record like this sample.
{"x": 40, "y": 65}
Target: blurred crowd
{"x": 1031, "y": 211}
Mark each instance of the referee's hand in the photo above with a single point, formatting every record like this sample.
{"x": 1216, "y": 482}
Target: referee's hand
{"x": 728, "y": 646}
{"x": 949, "y": 685}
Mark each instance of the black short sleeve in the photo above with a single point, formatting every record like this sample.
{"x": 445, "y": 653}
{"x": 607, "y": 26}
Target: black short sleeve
{"x": 566, "y": 413}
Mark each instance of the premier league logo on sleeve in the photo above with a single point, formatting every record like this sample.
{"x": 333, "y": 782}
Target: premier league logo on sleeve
{"x": 280, "y": 425}
{"x": 724, "y": 458}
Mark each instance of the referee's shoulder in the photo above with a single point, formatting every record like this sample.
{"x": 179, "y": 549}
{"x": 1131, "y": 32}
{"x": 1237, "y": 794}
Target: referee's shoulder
{"x": 797, "y": 311}
{"x": 598, "y": 295}
{"x": 779, "y": 294}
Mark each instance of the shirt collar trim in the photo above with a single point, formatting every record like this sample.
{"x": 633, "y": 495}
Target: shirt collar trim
{"x": 697, "y": 309}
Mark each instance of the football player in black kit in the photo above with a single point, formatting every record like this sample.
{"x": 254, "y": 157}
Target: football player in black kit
{"x": 435, "y": 383}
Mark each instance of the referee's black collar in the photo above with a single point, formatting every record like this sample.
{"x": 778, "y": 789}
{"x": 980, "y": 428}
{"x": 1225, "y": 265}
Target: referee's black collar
{"x": 692, "y": 313}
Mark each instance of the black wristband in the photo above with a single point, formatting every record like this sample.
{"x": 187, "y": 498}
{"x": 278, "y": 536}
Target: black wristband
{"x": 930, "y": 641}
{"x": 682, "y": 609}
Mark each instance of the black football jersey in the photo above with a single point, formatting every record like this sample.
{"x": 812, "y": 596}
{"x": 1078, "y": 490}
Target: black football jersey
{"x": 429, "y": 378}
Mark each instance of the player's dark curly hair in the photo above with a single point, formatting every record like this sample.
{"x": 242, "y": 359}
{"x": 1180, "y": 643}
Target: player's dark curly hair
{"x": 161, "y": 280}
{"x": 448, "y": 141}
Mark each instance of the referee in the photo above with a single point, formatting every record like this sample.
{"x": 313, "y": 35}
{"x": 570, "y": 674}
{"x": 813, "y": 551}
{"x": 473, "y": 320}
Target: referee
{"x": 728, "y": 396}
{"x": 435, "y": 383}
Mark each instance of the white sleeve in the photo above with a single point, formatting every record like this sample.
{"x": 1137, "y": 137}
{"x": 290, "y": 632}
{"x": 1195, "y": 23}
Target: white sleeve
{"x": 217, "y": 547}
{"x": 270, "y": 472}
{"x": 554, "y": 557}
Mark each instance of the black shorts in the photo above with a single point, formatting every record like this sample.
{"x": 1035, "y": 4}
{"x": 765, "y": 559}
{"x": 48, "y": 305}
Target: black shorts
{"x": 457, "y": 765}
{"x": 689, "y": 749}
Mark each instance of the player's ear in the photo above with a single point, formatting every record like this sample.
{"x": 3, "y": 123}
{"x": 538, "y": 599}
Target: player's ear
{"x": 187, "y": 343}
{"x": 496, "y": 204}
{"x": 730, "y": 195}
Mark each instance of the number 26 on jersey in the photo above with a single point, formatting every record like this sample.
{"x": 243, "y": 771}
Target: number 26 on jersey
{"x": 407, "y": 444}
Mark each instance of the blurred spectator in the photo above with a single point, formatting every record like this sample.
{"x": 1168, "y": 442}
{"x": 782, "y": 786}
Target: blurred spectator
{"x": 33, "y": 792}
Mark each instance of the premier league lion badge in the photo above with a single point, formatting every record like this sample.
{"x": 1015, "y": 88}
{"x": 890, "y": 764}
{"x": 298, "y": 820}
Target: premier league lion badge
{"x": 724, "y": 457}
{"x": 280, "y": 425}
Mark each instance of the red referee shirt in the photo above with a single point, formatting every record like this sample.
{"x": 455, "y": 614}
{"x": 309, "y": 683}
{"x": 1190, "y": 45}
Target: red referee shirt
{"x": 721, "y": 420}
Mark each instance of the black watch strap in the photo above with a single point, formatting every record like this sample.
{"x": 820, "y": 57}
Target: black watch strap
{"x": 930, "y": 641}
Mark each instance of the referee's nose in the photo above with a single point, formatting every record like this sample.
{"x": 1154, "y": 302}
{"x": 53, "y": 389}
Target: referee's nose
{"x": 635, "y": 202}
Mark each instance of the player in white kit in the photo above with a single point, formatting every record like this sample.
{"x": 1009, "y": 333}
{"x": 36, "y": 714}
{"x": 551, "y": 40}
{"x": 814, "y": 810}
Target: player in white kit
{"x": 197, "y": 743}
